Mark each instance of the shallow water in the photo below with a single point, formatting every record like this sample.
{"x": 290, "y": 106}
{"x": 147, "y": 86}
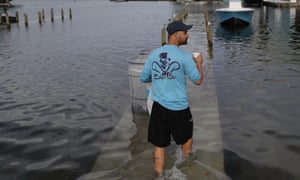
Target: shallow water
{"x": 258, "y": 94}
{"x": 64, "y": 85}
{"x": 65, "y": 109}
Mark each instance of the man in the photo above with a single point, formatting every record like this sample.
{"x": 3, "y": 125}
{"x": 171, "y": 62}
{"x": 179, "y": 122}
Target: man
{"x": 166, "y": 67}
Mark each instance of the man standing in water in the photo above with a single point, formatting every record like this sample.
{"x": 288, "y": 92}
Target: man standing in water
{"x": 166, "y": 68}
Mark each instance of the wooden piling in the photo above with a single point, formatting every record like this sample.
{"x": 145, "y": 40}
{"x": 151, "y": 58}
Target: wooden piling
{"x": 7, "y": 22}
{"x": 17, "y": 16}
{"x": 70, "y": 13}
{"x": 43, "y": 14}
{"x": 209, "y": 32}
{"x": 186, "y": 10}
{"x": 26, "y": 19}
{"x": 163, "y": 35}
{"x": 62, "y": 14}
{"x": 178, "y": 16}
{"x": 40, "y": 17}
{"x": 52, "y": 14}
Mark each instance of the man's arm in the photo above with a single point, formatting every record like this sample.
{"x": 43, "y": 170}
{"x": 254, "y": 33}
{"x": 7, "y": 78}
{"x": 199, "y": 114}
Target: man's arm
{"x": 199, "y": 60}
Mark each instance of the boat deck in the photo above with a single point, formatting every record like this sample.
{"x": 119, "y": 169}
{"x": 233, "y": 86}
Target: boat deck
{"x": 231, "y": 10}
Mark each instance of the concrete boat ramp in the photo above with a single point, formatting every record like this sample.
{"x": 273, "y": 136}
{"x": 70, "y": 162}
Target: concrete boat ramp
{"x": 128, "y": 155}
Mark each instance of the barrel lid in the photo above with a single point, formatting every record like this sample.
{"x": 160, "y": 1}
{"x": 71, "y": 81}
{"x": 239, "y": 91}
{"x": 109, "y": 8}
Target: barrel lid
{"x": 145, "y": 51}
{"x": 140, "y": 58}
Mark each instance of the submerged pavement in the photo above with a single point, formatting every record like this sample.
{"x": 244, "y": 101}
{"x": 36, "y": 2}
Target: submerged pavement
{"x": 128, "y": 155}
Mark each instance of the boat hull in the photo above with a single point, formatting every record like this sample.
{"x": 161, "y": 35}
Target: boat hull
{"x": 234, "y": 16}
{"x": 254, "y": 3}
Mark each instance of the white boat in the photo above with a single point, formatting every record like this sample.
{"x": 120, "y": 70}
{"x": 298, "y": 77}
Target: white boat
{"x": 235, "y": 14}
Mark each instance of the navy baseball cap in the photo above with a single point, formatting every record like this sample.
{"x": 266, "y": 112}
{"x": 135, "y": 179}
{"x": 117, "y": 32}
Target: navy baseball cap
{"x": 177, "y": 26}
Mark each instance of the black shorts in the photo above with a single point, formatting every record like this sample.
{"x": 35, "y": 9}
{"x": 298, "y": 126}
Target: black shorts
{"x": 164, "y": 123}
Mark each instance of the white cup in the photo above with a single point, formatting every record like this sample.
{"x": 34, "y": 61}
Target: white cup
{"x": 196, "y": 54}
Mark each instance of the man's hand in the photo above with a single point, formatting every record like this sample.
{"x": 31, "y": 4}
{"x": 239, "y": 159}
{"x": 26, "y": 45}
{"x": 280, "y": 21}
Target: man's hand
{"x": 198, "y": 58}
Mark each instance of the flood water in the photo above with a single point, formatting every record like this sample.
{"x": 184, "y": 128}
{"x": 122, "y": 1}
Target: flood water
{"x": 258, "y": 93}
{"x": 65, "y": 105}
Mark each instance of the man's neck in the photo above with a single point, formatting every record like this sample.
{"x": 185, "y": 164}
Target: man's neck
{"x": 172, "y": 43}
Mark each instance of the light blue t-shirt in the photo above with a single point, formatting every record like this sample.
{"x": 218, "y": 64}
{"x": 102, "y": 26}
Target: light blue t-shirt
{"x": 166, "y": 68}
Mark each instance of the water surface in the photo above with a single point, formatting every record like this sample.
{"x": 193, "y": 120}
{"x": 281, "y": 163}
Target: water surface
{"x": 64, "y": 93}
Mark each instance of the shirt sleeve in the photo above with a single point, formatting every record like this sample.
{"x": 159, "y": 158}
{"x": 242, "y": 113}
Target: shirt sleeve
{"x": 191, "y": 69}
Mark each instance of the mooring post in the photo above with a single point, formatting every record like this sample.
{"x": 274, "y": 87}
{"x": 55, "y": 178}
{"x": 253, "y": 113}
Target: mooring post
{"x": 163, "y": 35}
{"x": 70, "y": 13}
{"x": 40, "y": 17}
{"x": 7, "y": 22}
{"x": 178, "y": 16}
{"x": 209, "y": 33}
{"x": 52, "y": 14}
{"x": 186, "y": 10}
{"x": 43, "y": 14}
{"x": 17, "y": 16}
{"x": 62, "y": 14}
{"x": 26, "y": 19}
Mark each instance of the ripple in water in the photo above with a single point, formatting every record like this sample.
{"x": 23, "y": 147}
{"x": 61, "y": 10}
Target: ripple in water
{"x": 49, "y": 140}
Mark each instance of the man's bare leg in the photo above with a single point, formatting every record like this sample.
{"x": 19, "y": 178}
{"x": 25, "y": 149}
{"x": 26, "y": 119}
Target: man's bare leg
{"x": 159, "y": 160}
{"x": 187, "y": 147}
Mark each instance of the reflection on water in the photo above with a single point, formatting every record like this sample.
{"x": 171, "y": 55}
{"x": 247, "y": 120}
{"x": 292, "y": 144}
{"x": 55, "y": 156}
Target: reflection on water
{"x": 39, "y": 138}
{"x": 241, "y": 29}
{"x": 240, "y": 168}
{"x": 258, "y": 93}
{"x": 230, "y": 33}
{"x": 64, "y": 85}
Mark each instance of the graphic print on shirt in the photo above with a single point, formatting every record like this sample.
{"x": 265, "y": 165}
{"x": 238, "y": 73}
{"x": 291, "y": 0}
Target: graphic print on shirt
{"x": 164, "y": 68}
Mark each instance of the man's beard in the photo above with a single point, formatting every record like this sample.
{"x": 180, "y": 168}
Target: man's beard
{"x": 183, "y": 42}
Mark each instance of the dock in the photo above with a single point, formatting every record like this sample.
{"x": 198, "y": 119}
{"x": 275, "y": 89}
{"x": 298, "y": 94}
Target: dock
{"x": 5, "y": 3}
{"x": 2, "y": 5}
{"x": 12, "y": 19}
{"x": 281, "y": 3}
